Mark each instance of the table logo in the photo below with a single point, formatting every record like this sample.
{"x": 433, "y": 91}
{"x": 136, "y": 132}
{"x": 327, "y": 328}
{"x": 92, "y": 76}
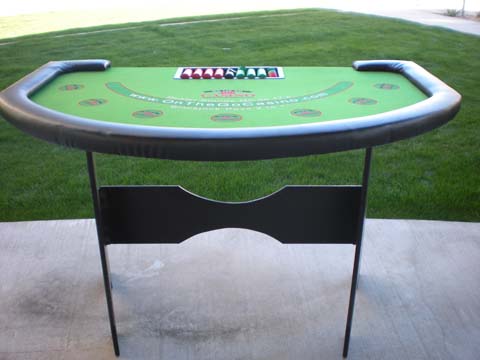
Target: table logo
{"x": 121, "y": 89}
{"x": 227, "y": 94}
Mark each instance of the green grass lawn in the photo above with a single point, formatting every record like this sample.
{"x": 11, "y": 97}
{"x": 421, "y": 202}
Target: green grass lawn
{"x": 433, "y": 176}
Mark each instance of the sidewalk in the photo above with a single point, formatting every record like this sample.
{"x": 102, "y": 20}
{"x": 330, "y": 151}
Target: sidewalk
{"x": 68, "y": 15}
{"x": 432, "y": 18}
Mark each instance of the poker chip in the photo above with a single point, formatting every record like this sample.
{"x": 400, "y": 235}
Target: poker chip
{"x": 197, "y": 74}
{"x": 187, "y": 74}
{"x": 208, "y": 73}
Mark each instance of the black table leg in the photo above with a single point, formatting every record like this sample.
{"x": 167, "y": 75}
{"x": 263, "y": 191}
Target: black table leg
{"x": 358, "y": 249}
{"x": 103, "y": 251}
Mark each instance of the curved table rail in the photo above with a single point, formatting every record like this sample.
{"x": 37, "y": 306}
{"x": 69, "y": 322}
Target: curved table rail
{"x": 228, "y": 144}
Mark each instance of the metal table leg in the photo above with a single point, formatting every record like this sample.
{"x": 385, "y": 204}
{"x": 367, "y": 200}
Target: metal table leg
{"x": 103, "y": 251}
{"x": 358, "y": 249}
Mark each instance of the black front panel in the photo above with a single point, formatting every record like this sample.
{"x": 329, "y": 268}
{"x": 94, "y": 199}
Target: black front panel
{"x": 169, "y": 214}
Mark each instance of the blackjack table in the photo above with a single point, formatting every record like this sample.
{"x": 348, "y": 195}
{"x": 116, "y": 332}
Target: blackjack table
{"x": 228, "y": 113}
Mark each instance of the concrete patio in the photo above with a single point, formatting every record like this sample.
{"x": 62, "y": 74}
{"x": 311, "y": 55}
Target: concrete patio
{"x": 237, "y": 294}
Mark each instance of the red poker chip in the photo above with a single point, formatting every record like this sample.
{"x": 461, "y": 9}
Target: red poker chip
{"x": 207, "y": 74}
{"x": 218, "y": 73}
{"x": 197, "y": 74}
{"x": 187, "y": 74}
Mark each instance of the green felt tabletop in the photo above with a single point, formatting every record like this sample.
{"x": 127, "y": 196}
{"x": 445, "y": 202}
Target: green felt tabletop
{"x": 151, "y": 96}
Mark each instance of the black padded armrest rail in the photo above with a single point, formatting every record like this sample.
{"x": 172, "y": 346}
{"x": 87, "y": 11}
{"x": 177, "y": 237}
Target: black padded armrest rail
{"x": 228, "y": 144}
